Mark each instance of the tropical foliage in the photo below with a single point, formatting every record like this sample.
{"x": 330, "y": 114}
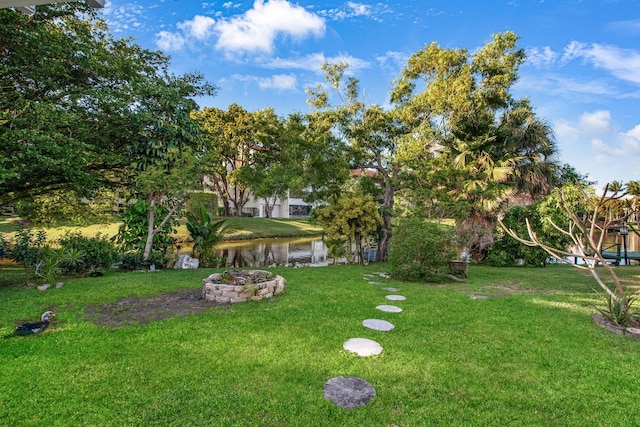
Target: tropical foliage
{"x": 353, "y": 218}
{"x": 205, "y": 232}
{"x": 465, "y": 122}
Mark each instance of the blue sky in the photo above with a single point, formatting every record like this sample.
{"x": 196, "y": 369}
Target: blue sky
{"x": 582, "y": 73}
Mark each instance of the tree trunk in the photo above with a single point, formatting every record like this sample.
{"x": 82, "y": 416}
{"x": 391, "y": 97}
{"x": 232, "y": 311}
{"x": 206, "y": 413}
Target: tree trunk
{"x": 238, "y": 200}
{"x": 150, "y": 231}
{"x": 220, "y": 186}
{"x": 267, "y": 208}
{"x": 387, "y": 216}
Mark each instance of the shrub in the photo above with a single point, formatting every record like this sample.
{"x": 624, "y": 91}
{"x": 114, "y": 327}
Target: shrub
{"x": 420, "y": 250}
{"x": 97, "y": 252}
{"x": 25, "y": 248}
{"x": 132, "y": 261}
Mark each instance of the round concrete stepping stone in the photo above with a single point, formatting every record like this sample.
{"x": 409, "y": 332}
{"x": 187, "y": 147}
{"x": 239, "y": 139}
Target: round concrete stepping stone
{"x": 378, "y": 325}
{"x": 389, "y": 308}
{"x": 349, "y": 392}
{"x": 395, "y": 298}
{"x": 391, "y": 289}
{"x": 376, "y": 283}
{"x": 363, "y": 347}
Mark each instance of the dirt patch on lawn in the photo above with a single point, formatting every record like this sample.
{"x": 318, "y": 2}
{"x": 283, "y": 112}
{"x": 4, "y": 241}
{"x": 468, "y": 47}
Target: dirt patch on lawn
{"x": 141, "y": 311}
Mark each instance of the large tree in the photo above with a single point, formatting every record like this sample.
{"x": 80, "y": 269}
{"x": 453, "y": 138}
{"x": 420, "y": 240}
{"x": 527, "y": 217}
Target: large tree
{"x": 232, "y": 138}
{"x": 371, "y": 135}
{"x": 466, "y": 121}
{"x": 166, "y": 146}
{"x": 66, "y": 91}
{"x": 279, "y": 170}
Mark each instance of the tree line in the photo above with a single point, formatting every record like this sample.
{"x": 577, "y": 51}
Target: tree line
{"x": 104, "y": 113}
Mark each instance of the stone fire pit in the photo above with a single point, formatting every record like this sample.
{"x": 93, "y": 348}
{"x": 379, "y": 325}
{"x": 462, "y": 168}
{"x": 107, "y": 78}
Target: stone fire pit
{"x": 234, "y": 286}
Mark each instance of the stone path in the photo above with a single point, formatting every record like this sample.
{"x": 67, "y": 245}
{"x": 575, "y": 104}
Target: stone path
{"x": 378, "y": 325}
{"x": 351, "y": 392}
{"x": 363, "y": 347}
{"x": 389, "y": 308}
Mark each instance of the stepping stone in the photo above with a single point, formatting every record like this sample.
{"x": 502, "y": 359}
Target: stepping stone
{"x": 378, "y": 325}
{"x": 391, "y": 289}
{"x": 376, "y": 283}
{"x": 481, "y": 297}
{"x": 395, "y": 297}
{"x": 363, "y": 347}
{"x": 389, "y": 308}
{"x": 349, "y": 392}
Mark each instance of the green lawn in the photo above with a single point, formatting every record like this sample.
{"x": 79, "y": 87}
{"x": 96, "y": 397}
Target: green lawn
{"x": 529, "y": 355}
{"x": 239, "y": 228}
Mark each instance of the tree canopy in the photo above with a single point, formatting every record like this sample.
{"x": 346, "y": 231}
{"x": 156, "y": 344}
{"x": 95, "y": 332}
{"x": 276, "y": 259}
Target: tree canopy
{"x": 472, "y": 143}
{"x": 465, "y": 116}
{"x": 76, "y": 122}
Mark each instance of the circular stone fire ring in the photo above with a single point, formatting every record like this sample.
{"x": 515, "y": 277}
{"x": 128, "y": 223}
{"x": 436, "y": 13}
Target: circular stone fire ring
{"x": 234, "y": 286}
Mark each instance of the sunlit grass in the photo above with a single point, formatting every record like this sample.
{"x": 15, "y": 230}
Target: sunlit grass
{"x": 527, "y": 355}
{"x": 239, "y": 228}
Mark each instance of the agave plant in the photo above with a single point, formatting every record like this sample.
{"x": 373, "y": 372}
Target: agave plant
{"x": 618, "y": 310}
{"x": 205, "y": 232}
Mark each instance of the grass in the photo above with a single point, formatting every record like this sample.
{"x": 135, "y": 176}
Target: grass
{"x": 240, "y": 228}
{"x": 529, "y": 355}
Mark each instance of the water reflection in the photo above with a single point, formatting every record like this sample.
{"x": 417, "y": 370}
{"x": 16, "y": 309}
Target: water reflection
{"x": 266, "y": 252}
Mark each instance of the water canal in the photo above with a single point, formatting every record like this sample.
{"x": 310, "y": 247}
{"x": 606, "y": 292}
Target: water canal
{"x": 266, "y": 252}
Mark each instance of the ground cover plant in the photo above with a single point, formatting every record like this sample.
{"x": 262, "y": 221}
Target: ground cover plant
{"x": 528, "y": 354}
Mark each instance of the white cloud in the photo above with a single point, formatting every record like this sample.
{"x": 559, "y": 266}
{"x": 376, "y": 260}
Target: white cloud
{"x": 607, "y": 144}
{"x": 200, "y": 27}
{"x": 279, "y": 82}
{"x": 359, "y": 9}
{"x": 257, "y": 29}
{"x": 541, "y": 58}
{"x": 392, "y": 59}
{"x": 314, "y": 61}
{"x": 597, "y": 122}
{"x": 122, "y": 18}
{"x": 254, "y": 31}
{"x": 565, "y": 131}
{"x": 556, "y": 84}
{"x": 622, "y": 63}
{"x": 169, "y": 42}
{"x": 353, "y": 9}
{"x": 631, "y": 140}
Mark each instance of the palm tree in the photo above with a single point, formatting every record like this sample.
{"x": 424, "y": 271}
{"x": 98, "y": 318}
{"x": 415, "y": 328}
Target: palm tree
{"x": 513, "y": 156}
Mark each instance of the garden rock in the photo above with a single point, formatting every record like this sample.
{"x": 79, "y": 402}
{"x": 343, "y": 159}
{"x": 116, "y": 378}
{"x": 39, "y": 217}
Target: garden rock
{"x": 363, "y": 347}
{"x": 378, "y": 325}
{"x": 186, "y": 262}
{"x": 389, "y": 308}
{"x": 349, "y": 392}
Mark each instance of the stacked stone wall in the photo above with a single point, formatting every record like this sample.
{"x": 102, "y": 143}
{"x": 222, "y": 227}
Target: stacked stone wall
{"x": 214, "y": 289}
